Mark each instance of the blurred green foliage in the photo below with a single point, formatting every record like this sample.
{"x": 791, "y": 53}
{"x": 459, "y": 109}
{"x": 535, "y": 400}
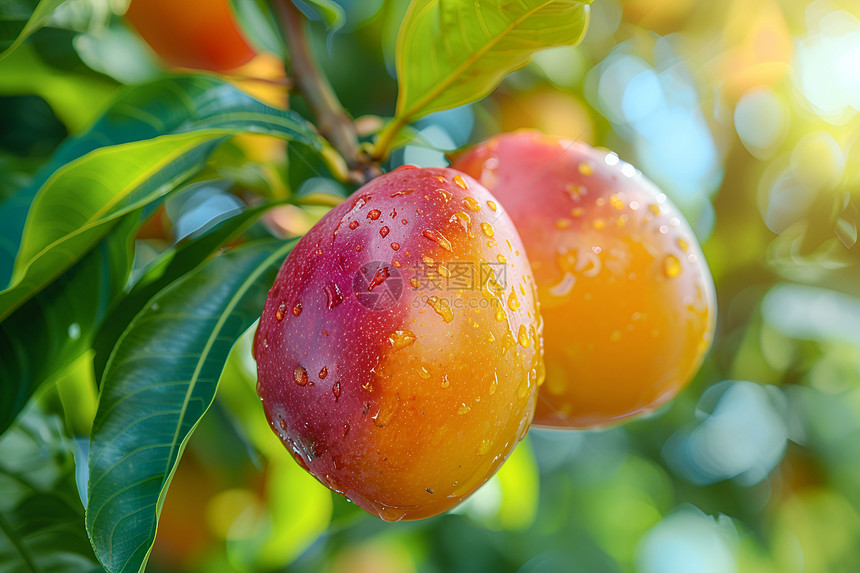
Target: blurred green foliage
{"x": 748, "y": 115}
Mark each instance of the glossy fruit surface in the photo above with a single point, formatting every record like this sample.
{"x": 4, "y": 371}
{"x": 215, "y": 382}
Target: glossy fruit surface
{"x": 399, "y": 353}
{"x": 200, "y": 34}
{"x": 627, "y": 297}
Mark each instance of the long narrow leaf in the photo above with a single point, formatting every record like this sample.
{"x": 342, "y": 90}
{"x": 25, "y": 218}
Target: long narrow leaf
{"x": 41, "y": 514}
{"x": 160, "y": 381}
{"x": 20, "y": 18}
{"x": 169, "y": 267}
{"x": 55, "y": 327}
{"x": 166, "y": 106}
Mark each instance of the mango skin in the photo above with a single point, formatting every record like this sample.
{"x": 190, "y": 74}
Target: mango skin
{"x": 626, "y": 293}
{"x": 404, "y": 407}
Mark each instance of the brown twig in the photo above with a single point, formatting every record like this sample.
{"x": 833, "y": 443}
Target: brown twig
{"x": 332, "y": 121}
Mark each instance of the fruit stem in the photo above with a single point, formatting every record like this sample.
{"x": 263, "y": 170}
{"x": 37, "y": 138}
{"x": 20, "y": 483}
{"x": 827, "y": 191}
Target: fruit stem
{"x": 332, "y": 120}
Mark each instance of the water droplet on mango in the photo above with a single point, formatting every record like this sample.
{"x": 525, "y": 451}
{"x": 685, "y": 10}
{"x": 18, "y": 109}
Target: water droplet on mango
{"x": 438, "y": 238}
{"x": 471, "y": 204}
{"x": 671, "y": 266}
{"x": 441, "y": 307}
{"x": 401, "y": 338}
{"x": 300, "y": 376}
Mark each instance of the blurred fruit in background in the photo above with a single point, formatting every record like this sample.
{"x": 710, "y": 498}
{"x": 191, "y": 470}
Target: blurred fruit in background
{"x": 199, "y": 34}
{"x": 627, "y": 295}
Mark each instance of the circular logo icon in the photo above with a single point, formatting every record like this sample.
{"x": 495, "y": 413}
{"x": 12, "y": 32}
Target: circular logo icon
{"x": 377, "y": 285}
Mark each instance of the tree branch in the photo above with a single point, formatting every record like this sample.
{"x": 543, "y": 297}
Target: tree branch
{"x": 332, "y": 121}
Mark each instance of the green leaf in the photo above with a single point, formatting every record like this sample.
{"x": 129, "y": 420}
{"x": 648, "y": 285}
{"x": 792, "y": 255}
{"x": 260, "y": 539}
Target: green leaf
{"x": 173, "y": 264}
{"x": 20, "y": 18}
{"x": 80, "y": 203}
{"x": 328, "y": 10}
{"x": 159, "y": 382}
{"x": 456, "y": 52}
{"x": 171, "y": 105}
{"x": 41, "y": 514}
{"x": 54, "y": 328}
{"x": 259, "y": 25}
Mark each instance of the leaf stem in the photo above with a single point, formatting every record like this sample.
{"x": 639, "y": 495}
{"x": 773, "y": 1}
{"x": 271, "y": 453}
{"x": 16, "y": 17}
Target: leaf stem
{"x": 333, "y": 122}
{"x": 384, "y": 143}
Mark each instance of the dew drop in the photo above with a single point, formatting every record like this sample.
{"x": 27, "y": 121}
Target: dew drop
{"x": 485, "y": 447}
{"x": 374, "y": 214}
{"x": 443, "y": 270}
{"x": 438, "y": 238}
{"x": 585, "y": 168}
{"x": 513, "y": 301}
{"x": 441, "y": 307}
{"x": 333, "y": 296}
{"x": 379, "y": 277}
{"x": 501, "y": 258}
{"x": 383, "y": 232}
{"x": 487, "y": 229}
{"x": 323, "y": 373}
{"x": 446, "y": 195}
{"x": 654, "y": 208}
{"x": 404, "y": 192}
{"x": 282, "y": 310}
{"x": 575, "y": 191}
{"x": 492, "y": 205}
{"x": 395, "y": 246}
{"x": 401, "y": 338}
{"x": 300, "y": 376}
{"x": 494, "y": 385}
{"x": 335, "y": 389}
{"x": 523, "y": 337}
{"x": 353, "y": 225}
{"x": 414, "y": 282}
{"x": 463, "y": 409}
{"x": 465, "y": 221}
{"x": 297, "y": 309}
{"x": 404, "y": 221}
{"x": 682, "y": 244}
{"x": 445, "y": 382}
{"x": 500, "y": 314}
{"x": 471, "y": 204}
{"x": 671, "y": 266}
{"x": 458, "y": 180}
{"x": 423, "y": 372}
